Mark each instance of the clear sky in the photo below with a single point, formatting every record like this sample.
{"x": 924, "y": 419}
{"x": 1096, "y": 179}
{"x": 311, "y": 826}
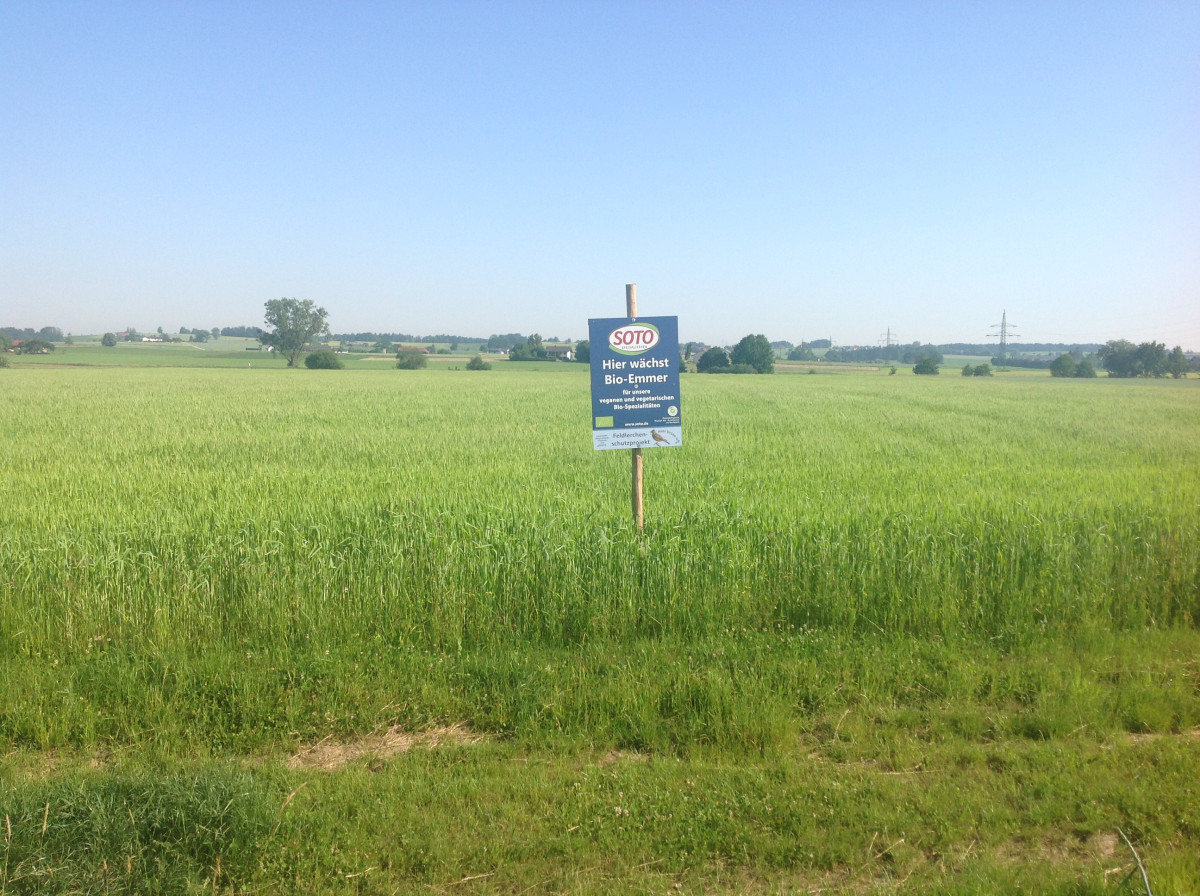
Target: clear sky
{"x": 799, "y": 169}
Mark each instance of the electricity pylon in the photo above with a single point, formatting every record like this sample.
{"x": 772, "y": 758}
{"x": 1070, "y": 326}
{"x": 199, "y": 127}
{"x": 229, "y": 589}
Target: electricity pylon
{"x": 887, "y": 346}
{"x": 1004, "y": 333}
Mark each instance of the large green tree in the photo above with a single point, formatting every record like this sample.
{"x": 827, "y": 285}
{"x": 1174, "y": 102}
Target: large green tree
{"x": 1064, "y": 365}
{"x": 323, "y": 359}
{"x": 293, "y": 324}
{"x": 35, "y": 347}
{"x": 713, "y": 360}
{"x": 531, "y": 349}
{"x": 409, "y": 357}
{"x": 927, "y": 366}
{"x": 1177, "y": 363}
{"x": 756, "y": 352}
{"x": 1121, "y": 358}
{"x": 1152, "y": 358}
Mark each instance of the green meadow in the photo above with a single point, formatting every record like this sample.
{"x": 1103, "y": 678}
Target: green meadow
{"x": 383, "y": 631}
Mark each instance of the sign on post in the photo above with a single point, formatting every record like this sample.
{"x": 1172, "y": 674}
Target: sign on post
{"x": 635, "y": 382}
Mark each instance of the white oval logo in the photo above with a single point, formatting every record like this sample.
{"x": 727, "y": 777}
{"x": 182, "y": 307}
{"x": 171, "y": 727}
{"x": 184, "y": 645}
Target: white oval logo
{"x": 633, "y": 339}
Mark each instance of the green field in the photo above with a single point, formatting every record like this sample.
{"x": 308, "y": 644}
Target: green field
{"x": 228, "y": 351}
{"x": 381, "y": 631}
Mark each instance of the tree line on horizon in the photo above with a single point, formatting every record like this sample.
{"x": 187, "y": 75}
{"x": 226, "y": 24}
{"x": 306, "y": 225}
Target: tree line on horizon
{"x": 505, "y": 341}
{"x": 46, "y": 334}
{"x": 753, "y": 354}
{"x": 1121, "y": 358}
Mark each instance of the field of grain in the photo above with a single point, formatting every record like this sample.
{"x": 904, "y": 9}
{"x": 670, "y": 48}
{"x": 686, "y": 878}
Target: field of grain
{"x": 877, "y": 629}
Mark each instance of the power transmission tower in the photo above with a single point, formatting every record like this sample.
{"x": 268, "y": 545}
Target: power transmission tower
{"x": 1004, "y": 327}
{"x": 887, "y": 350}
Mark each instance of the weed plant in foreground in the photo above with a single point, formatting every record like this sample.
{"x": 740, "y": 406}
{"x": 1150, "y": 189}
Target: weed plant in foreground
{"x": 939, "y": 632}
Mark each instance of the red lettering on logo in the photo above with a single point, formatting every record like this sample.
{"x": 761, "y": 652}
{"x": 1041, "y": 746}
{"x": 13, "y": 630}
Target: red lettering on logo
{"x": 633, "y": 338}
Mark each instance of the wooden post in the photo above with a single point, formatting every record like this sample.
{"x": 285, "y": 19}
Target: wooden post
{"x": 631, "y": 311}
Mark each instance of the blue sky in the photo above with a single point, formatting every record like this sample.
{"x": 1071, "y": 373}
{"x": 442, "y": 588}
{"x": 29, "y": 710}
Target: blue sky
{"x": 803, "y": 170}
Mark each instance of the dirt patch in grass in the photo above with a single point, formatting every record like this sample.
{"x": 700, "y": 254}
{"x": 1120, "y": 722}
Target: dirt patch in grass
{"x": 1151, "y": 736}
{"x": 330, "y": 754}
{"x": 1060, "y": 849}
{"x": 41, "y": 765}
{"x": 612, "y": 757}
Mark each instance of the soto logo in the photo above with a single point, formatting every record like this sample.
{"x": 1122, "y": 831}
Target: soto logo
{"x": 633, "y": 339}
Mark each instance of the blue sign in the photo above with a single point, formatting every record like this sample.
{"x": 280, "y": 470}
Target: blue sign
{"x": 635, "y": 382}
